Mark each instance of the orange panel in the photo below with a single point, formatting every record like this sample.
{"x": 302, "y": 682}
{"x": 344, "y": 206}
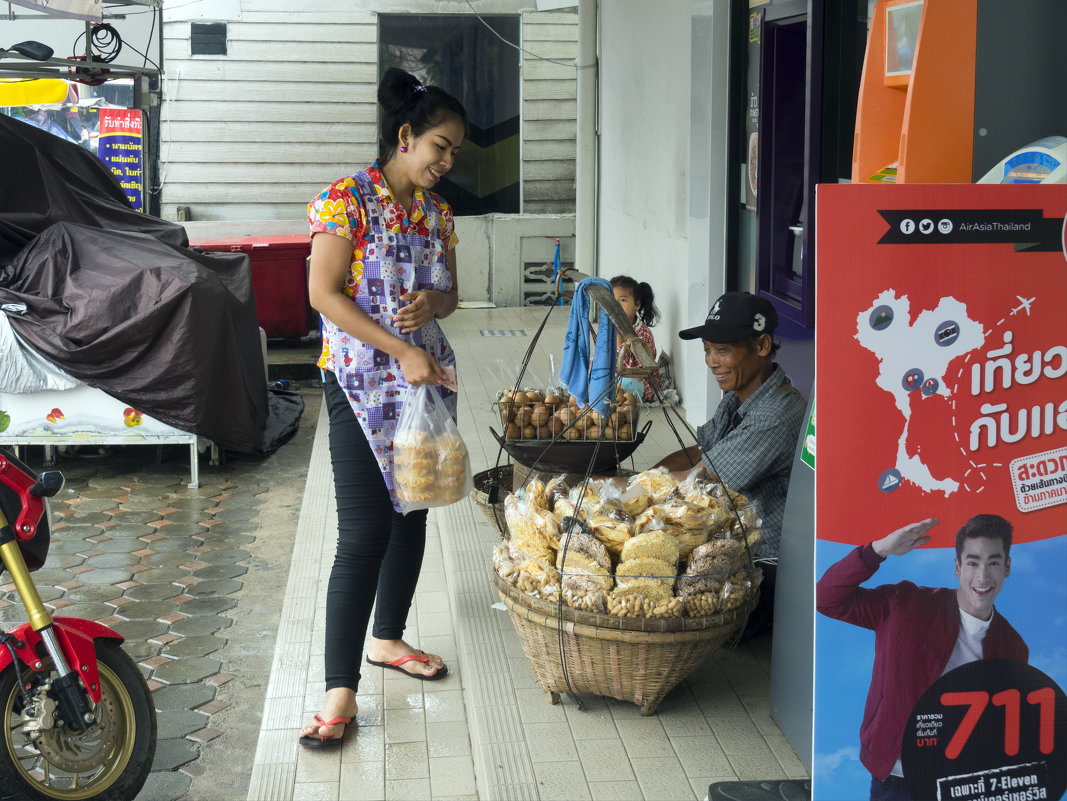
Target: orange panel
{"x": 879, "y": 110}
{"x": 923, "y": 122}
{"x": 939, "y": 116}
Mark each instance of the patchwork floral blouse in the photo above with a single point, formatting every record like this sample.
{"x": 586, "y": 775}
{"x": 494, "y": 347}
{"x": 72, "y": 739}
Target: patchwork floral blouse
{"x": 339, "y": 210}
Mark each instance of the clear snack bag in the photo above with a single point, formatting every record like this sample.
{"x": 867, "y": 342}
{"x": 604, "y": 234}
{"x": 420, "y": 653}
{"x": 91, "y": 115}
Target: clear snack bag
{"x": 431, "y": 466}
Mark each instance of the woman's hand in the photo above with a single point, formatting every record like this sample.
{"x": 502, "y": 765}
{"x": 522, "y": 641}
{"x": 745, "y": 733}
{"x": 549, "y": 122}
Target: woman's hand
{"x": 419, "y": 367}
{"x": 420, "y": 309}
{"x": 422, "y": 305}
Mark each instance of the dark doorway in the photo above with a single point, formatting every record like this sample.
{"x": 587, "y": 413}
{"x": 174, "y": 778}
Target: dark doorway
{"x": 783, "y": 208}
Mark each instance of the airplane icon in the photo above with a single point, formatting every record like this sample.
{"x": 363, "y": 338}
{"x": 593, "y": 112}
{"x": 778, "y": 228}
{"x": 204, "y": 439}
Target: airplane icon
{"x": 1025, "y": 304}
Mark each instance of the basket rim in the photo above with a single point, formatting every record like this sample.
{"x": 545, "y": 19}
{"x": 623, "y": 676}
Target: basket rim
{"x": 505, "y": 475}
{"x": 596, "y": 624}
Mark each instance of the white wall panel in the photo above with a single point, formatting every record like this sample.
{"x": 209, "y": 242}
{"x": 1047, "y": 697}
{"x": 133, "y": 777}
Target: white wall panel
{"x": 293, "y": 101}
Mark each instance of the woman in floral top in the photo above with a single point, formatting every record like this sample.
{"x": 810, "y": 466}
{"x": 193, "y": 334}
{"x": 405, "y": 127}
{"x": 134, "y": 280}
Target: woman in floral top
{"x": 383, "y": 269}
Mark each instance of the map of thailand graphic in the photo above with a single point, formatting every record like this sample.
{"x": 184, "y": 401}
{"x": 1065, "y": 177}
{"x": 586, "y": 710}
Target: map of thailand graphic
{"x": 913, "y": 357}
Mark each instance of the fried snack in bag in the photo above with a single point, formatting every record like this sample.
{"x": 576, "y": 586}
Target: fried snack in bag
{"x": 648, "y": 520}
{"x": 696, "y": 485}
{"x": 657, "y": 481}
{"x": 613, "y": 533}
{"x": 505, "y": 567}
{"x": 535, "y": 493}
{"x": 563, "y": 509}
{"x": 586, "y": 600}
{"x": 646, "y": 572}
{"x": 710, "y": 565}
{"x": 531, "y": 536}
{"x": 729, "y": 498}
{"x": 431, "y": 466}
{"x": 650, "y": 596}
{"x": 738, "y": 588}
{"x": 556, "y": 490}
{"x": 728, "y": 554}
{"x": 590, "y": 501}
{"x": 652, "y": 520}
{"x": 682, "y": 513}
{"x": 656, "y": 544}
{"x": 688, "y": 539}
{"x": 587, "y": 491}
{"x": 580, "y": 574}
{"x": 578, "y": 542}
{"x": 635, "y": 500}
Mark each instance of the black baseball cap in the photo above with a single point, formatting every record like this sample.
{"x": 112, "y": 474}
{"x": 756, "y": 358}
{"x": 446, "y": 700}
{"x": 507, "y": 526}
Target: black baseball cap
{"x": 733, "y": 317}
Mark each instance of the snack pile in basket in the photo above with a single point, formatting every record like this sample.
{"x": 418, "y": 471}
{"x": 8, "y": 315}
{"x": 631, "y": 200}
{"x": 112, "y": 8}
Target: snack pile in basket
{"x": 656, "y": 547}
{"x": 546, "y": 415}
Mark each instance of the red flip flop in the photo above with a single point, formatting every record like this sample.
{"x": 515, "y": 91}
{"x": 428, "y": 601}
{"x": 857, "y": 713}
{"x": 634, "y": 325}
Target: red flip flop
{"x": 395, "y": 664}
{"x": 323, "y": 742}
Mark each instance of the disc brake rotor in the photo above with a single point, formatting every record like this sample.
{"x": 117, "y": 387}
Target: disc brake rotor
{"x": 82, "y": 752}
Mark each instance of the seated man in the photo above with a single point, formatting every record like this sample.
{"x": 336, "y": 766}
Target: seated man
{"x": 921, "y": 633}
{"x": 749, "y": 442}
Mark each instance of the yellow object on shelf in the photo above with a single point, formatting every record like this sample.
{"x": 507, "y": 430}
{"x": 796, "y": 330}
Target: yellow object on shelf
{"x": 37, "y": 92}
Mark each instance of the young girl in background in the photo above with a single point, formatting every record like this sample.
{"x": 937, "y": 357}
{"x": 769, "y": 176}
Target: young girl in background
{"x": 638, "y": 302}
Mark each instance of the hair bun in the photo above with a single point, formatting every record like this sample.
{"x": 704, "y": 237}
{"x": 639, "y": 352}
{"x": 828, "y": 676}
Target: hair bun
{"x": 399, "y": 89}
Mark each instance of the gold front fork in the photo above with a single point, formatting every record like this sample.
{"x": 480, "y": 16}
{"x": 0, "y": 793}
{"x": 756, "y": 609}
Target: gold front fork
{"x": 20, "y": 574}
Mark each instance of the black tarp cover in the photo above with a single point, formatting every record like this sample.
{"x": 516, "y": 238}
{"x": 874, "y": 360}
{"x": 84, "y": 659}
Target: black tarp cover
{"x": 44, "y": 180}
{"x": 116, "y": 298}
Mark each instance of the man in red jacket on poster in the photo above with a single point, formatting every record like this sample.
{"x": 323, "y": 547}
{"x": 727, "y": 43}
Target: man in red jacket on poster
{"x": 921, "y": 633}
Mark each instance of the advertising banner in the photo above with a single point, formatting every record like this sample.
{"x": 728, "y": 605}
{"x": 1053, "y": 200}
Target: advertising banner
{"x": 120, "y": 148}
{"x": 941, "y": 493}
{"x": 755, "y": 31}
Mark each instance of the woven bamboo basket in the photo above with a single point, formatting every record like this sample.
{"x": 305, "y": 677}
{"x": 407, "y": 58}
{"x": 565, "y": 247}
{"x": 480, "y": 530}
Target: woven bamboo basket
{"x": 501, "y": 476}
{"x": 638, "y": 660}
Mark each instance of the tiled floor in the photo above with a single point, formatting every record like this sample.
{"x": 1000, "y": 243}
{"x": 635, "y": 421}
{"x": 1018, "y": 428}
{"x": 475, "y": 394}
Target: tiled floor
{"x": 488, "y": 731}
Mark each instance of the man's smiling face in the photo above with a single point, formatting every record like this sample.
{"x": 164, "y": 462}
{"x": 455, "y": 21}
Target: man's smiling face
{"x": 981, "y": 568}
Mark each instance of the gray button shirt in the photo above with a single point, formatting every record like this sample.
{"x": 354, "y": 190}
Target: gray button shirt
{"x": 750, "y": 446}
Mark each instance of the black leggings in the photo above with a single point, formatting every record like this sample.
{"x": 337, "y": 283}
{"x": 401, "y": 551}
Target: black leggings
{"x": 379, "y": 552}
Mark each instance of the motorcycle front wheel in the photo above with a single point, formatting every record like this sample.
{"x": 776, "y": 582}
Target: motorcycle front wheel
{"x": 109, "y": 761}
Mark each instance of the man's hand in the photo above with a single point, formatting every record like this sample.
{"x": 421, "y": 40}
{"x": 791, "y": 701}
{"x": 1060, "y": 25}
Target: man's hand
{"x": 681, "y": 461}
{"x": 905, "y": 539}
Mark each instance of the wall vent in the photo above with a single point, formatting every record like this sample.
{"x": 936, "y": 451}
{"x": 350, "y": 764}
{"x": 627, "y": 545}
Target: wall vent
{"x": 207, "y": 39}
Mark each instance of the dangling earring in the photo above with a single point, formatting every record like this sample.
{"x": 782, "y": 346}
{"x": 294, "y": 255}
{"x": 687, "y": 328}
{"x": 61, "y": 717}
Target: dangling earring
{"x": 403, "y": 148}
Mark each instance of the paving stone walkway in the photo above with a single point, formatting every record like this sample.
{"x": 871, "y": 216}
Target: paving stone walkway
{"x": 164, "y": 565}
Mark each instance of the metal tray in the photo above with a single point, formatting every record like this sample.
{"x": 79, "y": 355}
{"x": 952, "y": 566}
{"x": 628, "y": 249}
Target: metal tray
{"x": 570, "y": 456}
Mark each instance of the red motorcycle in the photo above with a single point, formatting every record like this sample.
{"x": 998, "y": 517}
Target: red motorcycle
{"x": 78, "y": 716}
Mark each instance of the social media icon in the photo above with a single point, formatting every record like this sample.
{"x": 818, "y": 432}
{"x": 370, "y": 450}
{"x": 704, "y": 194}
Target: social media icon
{"x": 907, "y": 225}
{"x": 945, "y": 226}
{"x": 926, "y": 226}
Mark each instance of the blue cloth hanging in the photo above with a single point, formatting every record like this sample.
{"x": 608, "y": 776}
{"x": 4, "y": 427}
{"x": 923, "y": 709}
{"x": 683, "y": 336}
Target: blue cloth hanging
{"x": 585, "y": 379}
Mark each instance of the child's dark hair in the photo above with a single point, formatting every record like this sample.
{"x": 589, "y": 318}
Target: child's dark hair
{"x": 643, "y": 294}
{"x": 403, "y": 99}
